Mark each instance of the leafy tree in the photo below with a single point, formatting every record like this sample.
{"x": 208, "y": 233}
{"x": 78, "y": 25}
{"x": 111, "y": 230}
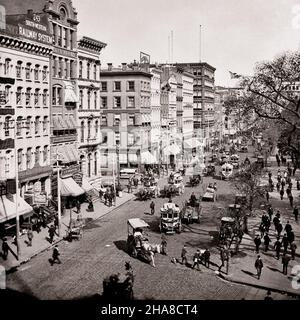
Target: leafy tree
{"x": 248, "y": 182}
{"x": 268, "y": 94}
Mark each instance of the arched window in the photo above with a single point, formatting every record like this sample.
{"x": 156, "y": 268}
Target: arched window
{"x": 80, "y": 99}
{"x": 88, "y": 70}
{"x": 19, "y": 126}
{"x": 37, "y": 155}
{"x": 81, "y": 162}
{"x": 96, "y": 128}
{"x": 95, "y": 72}
{"x": 89, "y": 129}
{"x": 89, "y": 99}
{"x": 80, "y": 69}
{"x": 82, "y": 131}
{"x": 95, "y": 99}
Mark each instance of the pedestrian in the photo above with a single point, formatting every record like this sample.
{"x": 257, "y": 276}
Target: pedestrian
{"x": 55, "y": 255}
{"x": 152, "y": 207}
{"x": 281, "y": 193}
{"x": 258, "y": 265}
{"x": 270, "y": 213}
{"x": 278, "y": 186}
{"x": 56, "y": 221}
{"x": 110, "y": 199}
{"x": 279, "y": 229}
{"x": 222, "y": 258}
{"x": 196, "y": 259}
{"x": 291, "y": 199}
{"x": 276, "y": 221}
{"x": 100, "y": 194}
{"x": 294, "y": 170}
{"x": 5, "y": 248}
{"x": 288, "y": 227}
{"x": 262, "y": 229}
{"x": 30, "y": 237}
{"x": 152, "y": 258}
{"x": 183, "y": 255}
{"x": 257, "y": 242}
{"x": 291, "y": 236}
{"x": 113, "y": 197}
{"x": 285, "y": 262}
{"x": 285, "y": 243}
{"x": 78, "y": 206}
{"x": 267, "y": 196}
{"x": 296, "y": 213}
{"x": 51, "y": 232}
{"x": 90, "y": 205}
{"x": 164, "y": 246}
{"x": 206, "y": 256}
{"x": 268, "y": 296}
{"x": 129, "y": 186}
{"x": 298, "y": 184}
{"x": 267, "y": 241}
{"x": 277, "y": 247}
{"x": 290, "y": 170}
{"x": 293, "y": 250}
{"x": 278, "y": 160}
{"x": 288, "y": 191}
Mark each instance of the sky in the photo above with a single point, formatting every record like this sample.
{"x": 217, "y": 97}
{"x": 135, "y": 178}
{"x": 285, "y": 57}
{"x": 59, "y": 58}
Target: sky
{"x": 235, "y": 34}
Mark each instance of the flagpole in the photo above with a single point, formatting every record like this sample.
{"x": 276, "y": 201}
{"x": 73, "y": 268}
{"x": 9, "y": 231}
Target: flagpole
{"x": 17, "y": 195}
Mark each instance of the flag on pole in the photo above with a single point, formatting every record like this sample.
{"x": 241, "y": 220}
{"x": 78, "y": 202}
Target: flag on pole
{"x": 234, "y": 75}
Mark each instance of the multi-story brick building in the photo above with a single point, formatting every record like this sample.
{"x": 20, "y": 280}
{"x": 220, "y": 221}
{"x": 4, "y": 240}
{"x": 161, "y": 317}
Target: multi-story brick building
{"x": 25, "y": 48}
{"x": 89, "y": 116}
{"x": 155, "y": 111}
{"x": 203, "y": 100}
{"x": 126, "y": 115}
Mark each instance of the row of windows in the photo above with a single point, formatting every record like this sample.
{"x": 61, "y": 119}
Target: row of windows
{"x": 26, "y": 71}
{"x": 89, "y": 128}
{"x": 117, "y": 102}
{"x": 62, "y": 68}
{"x": 131, "y": 120}
{"x": 88, "y": 71}
{"x": 130, "y": 86}
{"x": 91, "y": 95}
{"x": 131, "y": 138}
{"x": 38, "y": 155}
{"x": 63, "y": 37}
{"x": 39, "y": 124}
{"x": 38, "y": 97}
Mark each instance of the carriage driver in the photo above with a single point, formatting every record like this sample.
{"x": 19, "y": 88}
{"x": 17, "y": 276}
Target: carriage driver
{"x": 193, "y": 199}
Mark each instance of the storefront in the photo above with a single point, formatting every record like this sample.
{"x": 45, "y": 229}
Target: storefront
{"x": 8, "y": 213}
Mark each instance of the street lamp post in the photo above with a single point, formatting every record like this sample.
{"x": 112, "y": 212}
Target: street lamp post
{"x": 58, "y": 196}
{"x": 118, "y": 162}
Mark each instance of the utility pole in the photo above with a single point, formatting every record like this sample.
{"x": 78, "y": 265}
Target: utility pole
{"x": 58, "y": 196}
{"x": 17, "y": 193}
{"x": 200, "y": 40}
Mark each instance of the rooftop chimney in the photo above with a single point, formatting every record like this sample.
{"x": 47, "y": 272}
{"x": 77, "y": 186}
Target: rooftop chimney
{"x": 29, "y": 12}
{"x": 109, "y": 66}
{"x": 124, "y": 66}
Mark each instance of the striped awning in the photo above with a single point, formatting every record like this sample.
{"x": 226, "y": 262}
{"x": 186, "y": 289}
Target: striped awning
{"x": 8, "y": 207}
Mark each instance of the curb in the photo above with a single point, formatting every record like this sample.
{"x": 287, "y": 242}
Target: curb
{"x": 289, "y": 293}
{"x": 15, "y": 268}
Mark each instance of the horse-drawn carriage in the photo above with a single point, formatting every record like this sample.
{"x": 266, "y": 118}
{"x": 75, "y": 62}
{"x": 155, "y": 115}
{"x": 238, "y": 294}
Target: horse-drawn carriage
{"x": 170, "y": 221}
{"x": 136, "y": 239}
{"x": 226, "y": 171}
{"x": 191, "y": 212}
{"x": 75, "y": 229}
{"x": 227, "y": 229}
{"x": 210, "y": 194}
{"x": 194, "y": 180}
{"x": 210, "y": 170}
{"x": 174, "y": 187}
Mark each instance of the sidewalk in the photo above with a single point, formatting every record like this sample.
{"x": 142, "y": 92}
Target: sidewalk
{"x": 40, "y": 241}
{"x": 241, "y": 267}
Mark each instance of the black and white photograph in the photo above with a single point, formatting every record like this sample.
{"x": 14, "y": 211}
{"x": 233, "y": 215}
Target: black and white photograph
{"x": 150, "y": 151}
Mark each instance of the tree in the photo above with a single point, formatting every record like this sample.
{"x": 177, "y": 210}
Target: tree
{"x": 269, "y": 93}
{"x": 248, "y": 182}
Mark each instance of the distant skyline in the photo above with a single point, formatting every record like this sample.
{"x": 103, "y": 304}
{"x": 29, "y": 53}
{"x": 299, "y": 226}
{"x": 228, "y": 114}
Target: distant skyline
{"x": 235, "y": 33}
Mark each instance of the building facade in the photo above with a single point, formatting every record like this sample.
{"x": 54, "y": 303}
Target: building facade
{"x": 126, "y": 116}
{"x": 25, "y": 50}
{"x": 155, "y": 111}
{"x": 203, "y": 99}
{"x": 89, "y": 113}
